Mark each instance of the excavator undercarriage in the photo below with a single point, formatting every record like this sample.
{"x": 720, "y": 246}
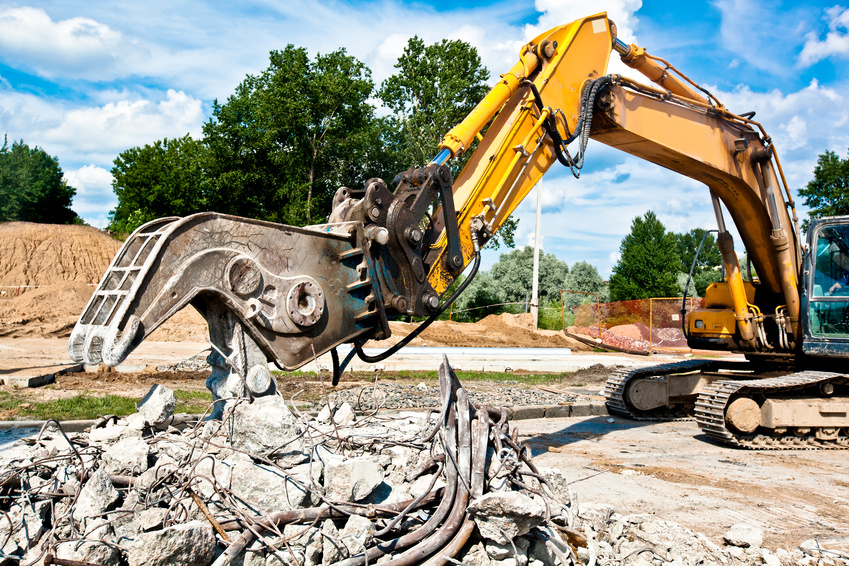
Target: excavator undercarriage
{"x": 735, "y": 403}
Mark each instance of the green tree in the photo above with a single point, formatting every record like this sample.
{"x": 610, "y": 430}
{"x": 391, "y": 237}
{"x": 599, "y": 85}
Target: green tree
{"x": 706, "y": 269}
{"x": 687, "y": 244}
{"x": 435, "y": 88}
{"x": 648, "y": 265}
{"x": 827, "y": 194}
{"x": 584, "y": 277}
{"x": 478, "y": 299}
{"x": 289, "y": 137}
{"x": 168, "y": 178}
{"x": 32, "y": 188}
{"x": 513, "y": 273}
{"x": 702, "y": 280}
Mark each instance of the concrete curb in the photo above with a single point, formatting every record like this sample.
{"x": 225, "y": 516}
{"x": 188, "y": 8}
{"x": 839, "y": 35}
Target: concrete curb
{"x": 557, "y": 411}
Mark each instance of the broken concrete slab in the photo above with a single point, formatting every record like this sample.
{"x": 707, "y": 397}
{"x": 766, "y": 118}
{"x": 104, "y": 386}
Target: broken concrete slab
{"x": 265, "y": 426}
{"x": 23, "y": 382}
{"x": 97, "y": 496}
{"x": 744, "y": 535}
{"x": 188, "y": 544}
{"x": 158, "y": 405}
{"x": 503, "y": 516}
{"x": 353, "y": 479}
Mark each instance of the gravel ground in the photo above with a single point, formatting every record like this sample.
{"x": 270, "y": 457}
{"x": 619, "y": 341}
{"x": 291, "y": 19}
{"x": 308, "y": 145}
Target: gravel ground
{"x": 396, "y": 396}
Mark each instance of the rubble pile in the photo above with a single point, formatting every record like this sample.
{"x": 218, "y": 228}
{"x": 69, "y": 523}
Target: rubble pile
{"x": 268, "y": 486}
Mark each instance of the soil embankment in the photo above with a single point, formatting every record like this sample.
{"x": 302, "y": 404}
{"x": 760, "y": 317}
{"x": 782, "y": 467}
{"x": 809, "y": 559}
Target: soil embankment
{"x": 50, "y": 272}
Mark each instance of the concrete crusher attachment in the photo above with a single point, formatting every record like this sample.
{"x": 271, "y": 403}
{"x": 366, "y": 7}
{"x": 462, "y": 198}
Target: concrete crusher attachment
{"x": 297, "y": 292}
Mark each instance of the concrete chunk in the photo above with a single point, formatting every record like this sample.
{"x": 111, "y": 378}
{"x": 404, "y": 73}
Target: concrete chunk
{"x": 189, "y": 544}
{"x": 503, "y": 516}
{"x": 264, "y": 426}
{"x": 353, "y": 479}
{"x": 158, "y": 405}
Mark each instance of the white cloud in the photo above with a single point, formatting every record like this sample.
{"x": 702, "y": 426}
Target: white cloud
{"x": 803, "y": 124}
{"x": 104, "y": 131}
{"x": 94, "y": 193}
{"x": 76, "y": 47}
{"x": 836, "y": 41}
{"x": 558, "y": 12}
{"x": 759, "y": 34}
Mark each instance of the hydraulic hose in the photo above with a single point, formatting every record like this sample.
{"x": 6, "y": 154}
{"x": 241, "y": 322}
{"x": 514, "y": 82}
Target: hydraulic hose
{"x": 409, "y": 338}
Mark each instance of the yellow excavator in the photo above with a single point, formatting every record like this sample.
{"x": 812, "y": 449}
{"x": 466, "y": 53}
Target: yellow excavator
{"x": 289, "y": 294}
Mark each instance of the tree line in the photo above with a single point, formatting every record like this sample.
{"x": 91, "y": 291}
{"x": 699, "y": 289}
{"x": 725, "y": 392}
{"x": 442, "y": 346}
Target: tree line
{"x": 281, "y": 145}
{"x": 32, "y": 186}
{"x": 653, "y": 262}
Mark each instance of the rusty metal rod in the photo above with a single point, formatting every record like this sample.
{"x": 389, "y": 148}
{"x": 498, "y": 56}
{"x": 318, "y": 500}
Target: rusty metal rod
{"x": 310, "y": 514}
{"x": 205, "y": 510}
{"x": 50, "y": 559}
{"x": 480, "y": 438}
{"x": 446, "y": 532}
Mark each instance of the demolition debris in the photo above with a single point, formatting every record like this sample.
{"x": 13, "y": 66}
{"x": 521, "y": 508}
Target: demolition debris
{"x": 269, "y": 486}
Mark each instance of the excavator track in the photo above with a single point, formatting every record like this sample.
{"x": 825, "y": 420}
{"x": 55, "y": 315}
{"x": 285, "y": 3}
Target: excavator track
{"x": 616, "y": 385}
{"x": 713, "y": 402}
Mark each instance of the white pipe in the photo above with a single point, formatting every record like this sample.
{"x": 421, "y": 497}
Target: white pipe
{"x": 535, "y": 289}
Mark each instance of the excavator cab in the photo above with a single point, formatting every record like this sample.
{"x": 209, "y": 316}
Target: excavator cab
{"x": 826, "y": 294}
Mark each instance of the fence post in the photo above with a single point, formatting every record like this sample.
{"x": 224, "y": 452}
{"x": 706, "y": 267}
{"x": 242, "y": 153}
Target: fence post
{"x": 598, "y": 314}
{"x": 562, "y": 312}
{"x": 651, "y": 322}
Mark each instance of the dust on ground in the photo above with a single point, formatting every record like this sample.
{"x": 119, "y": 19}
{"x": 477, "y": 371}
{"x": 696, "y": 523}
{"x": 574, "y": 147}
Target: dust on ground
{"x": 670, "y": 469}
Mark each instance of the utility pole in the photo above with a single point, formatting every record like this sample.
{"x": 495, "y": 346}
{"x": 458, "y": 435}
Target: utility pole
{"x": 535, "y": 290}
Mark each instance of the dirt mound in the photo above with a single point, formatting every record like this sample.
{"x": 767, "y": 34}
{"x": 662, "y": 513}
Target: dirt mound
{"x": 47, "y": 254}
{"x": 185, "y": 326}
{"x": 497, "y": 331}
{"x": 64, "y": 261}
{"x": 49, "y": 311}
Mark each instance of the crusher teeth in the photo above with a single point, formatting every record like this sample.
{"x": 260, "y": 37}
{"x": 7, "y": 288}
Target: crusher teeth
{"x": 614, "y": 389}
{"x": 712, "y": 402}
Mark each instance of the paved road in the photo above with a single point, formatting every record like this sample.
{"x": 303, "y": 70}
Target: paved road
{"x": 34, "y": 356}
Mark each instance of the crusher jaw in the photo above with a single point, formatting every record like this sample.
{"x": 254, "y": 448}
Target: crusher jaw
{"x": 297, "y": 292}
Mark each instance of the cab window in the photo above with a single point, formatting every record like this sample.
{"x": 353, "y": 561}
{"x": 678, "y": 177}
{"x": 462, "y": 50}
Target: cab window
{"x": 829, "y": 303}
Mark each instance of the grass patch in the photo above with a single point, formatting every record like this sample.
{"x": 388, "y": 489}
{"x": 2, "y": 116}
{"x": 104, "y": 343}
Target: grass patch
{"x": 83, "y": 406}
{"x": 88, "y": 406}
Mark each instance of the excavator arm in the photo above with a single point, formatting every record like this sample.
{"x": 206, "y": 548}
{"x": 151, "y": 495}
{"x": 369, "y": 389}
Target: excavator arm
{"x": 558, "y": 94}
{"x": 296, "y": 293}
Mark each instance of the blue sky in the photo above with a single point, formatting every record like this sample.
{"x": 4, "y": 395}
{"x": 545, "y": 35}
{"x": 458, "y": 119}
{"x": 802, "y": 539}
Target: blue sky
{"x": 86, "y": 80}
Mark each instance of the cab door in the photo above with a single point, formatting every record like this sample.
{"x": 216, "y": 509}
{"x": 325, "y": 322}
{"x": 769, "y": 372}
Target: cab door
{"x": 825, "y": 297}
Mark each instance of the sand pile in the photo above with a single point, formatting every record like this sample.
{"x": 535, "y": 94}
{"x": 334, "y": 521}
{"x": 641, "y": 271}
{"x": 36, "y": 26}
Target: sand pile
{"x": 49, "y": 311}
{"x": 65, "y": 261}
{"x": 47, "y": 254}
{"x": 495, "y": 331}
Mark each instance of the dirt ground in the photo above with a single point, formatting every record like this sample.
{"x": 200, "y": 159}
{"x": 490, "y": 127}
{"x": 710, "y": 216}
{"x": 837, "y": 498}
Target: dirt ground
{"x": 673, "y": 471}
